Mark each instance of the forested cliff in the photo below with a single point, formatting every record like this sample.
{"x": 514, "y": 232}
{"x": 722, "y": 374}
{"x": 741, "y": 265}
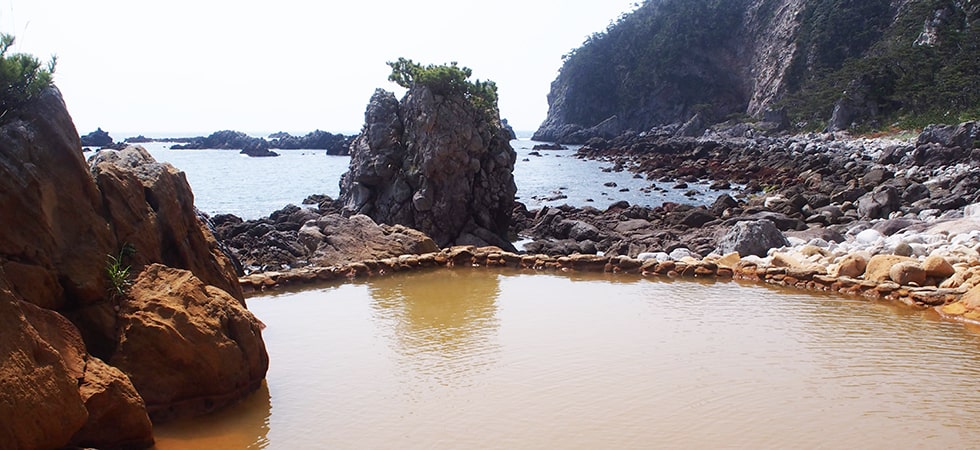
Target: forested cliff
{"x": 826, "y": 63}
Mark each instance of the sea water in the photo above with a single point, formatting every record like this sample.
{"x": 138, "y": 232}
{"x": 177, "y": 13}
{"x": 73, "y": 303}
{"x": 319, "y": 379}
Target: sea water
{"x": 226, "y": 182}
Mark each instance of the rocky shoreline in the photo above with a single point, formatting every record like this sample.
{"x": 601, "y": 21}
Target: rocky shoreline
{"x": 878, "y": 217}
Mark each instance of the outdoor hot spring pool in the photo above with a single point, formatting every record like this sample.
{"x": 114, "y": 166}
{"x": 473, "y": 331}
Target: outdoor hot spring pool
{"x": 470, "y": 358}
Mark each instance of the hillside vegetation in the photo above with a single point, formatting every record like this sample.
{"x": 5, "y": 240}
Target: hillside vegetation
{"x": 879, "y": 62}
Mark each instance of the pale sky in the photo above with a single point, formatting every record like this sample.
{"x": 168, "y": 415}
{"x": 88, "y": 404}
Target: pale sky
{"x": 197, "y": 66}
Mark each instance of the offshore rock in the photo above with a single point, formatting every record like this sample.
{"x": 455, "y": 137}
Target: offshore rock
{"x": 97, "y": 138}
{"x": 433, "y": 163}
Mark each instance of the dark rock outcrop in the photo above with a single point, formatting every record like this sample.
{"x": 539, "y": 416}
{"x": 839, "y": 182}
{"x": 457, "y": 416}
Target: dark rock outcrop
{"x": 434, "y": 163}
{"x": 97, "y": 138}
{"x": 752, "y": 238}
{"x": 219, "y": 140}
{"x": 297, "y": 237}
{"x": 258, "y": 148}
{"x": 334, "y": 144}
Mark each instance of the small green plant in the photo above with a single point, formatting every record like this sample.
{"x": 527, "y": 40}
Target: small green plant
{"x": 117, "y": 272}
{"x": 447, "y": 79}
{"x": 22, "y": 76}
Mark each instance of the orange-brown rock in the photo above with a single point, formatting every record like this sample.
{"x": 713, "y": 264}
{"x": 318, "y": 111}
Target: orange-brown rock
{"x": 938, "y": 267}
{"x": 151, "y": 208}
{"x": 51, "y": 209}
{"x": 879, "y": 267}
{"x": 189, "y": 348}
{"x": 58, "y": 232}
{"x": 906, "y": 273}
{"x": 40, "y": 406}
{"x": 971, "y": 300}
{"x": 851, "y": 266}
{"x": 117, "y": 415}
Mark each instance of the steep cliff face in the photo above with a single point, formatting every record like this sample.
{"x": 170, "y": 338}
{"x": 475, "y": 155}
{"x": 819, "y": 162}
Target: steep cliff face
{"x": 434, "y": 163}
{"x": 672, "y": 59}
{"x": 80, "y": 353}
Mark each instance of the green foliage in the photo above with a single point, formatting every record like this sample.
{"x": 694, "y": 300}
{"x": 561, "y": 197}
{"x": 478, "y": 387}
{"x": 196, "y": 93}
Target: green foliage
{"x": 117, "y": 272}
{"x": 22, "y": 76}
{"x": 661, "y": 57}
{"x": 908, "y": 84}
{"x": 447, "y": 79}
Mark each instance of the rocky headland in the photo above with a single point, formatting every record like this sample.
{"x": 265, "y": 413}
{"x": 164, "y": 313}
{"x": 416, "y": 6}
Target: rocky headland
{"x": 119, "y": 307}
{"x": 816, "y": 64}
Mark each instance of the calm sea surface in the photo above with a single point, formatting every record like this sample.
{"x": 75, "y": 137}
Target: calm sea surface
{"x": 224, "y": 181}
{"x": 477, "y": 358}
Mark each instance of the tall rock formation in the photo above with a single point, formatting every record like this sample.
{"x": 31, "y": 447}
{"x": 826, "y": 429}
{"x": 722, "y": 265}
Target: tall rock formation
{"x": 436, "y": 163}
{"x": 78, "y": 359}
{"x": 853, "y": 62}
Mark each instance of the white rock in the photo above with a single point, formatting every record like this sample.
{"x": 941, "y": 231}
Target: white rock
{"x": 680, "y": 253}
{"x": 868, "y": 237}
{"x": 972, "y": 211}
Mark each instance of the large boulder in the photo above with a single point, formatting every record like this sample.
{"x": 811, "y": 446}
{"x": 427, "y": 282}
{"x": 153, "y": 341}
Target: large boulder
{"x": 39, "y": 399}
{"x": 52, "y": 223}
{"x": 752, "y": 238}
{"x": 948, "y": 135}
{"x": 58, "y": 393}
{"x": 151, "y": 208}
{"x": 358, "y": 238}
{"x": 435, "y": 163}
{"x": 62, "y": 319}
{"x": 188, "y": 347}
{"x": 879, "y": 203}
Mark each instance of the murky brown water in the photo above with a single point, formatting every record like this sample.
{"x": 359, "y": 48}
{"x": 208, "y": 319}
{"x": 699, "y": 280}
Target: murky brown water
{"x": 477, "y": 358}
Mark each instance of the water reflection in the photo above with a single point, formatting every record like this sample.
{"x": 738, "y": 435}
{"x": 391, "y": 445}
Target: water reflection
{"x": 444, "y": 323}
{"x": 477, "y": 358}
{"x": 244, "y": 425}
